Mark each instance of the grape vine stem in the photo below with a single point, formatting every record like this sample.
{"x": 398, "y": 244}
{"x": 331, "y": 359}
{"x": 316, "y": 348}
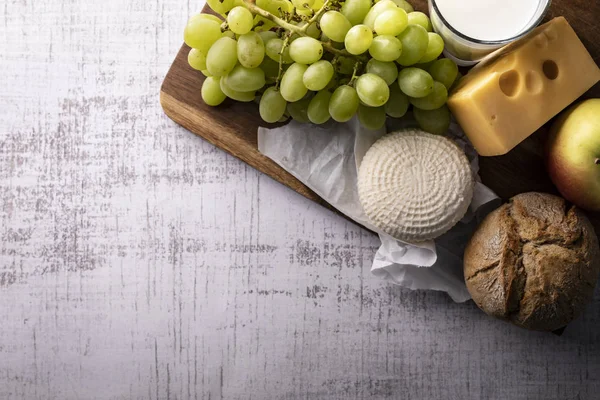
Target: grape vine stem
{"x": 317, "y": 15}
{"x": 280, "y": 74}
{"x": 354, "y": 73}
{"x": 265, "y": 14}
{"x": 300, "y": 31}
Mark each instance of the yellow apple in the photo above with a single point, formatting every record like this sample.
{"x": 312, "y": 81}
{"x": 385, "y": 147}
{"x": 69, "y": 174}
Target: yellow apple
{"x": 573, "y": 155}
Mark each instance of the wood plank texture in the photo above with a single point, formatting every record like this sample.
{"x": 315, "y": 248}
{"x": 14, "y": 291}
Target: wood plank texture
{"x": 233, "y": 126}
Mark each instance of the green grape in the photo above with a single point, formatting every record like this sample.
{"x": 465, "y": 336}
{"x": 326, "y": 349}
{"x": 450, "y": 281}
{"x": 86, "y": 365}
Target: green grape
{"x": 261, "y": 24}
{"x": 292, "y": 87}
{"x": 335, "y": 25}
{"x": 386, "y": 70}
{"x": 433, "y": 121}
{"x": 273, "y": 50}
{"x": 206, "y": 73}
{"x": 397, "y": 105}
{"x": 268, "y": 5}
{"x": 337, "y": 45}
{"x": 434, "y": 48}
{"x": 270, "y": 68}
{"x": 371, "y": 117}
{"x": 435, "y": 99}
{"x": 299, "y": 110}
{"x": 211, "y": 91}
{"x": 356, "y": 10}
{"x": 222, "y": 56}
{"x": 345, "y": 65}
{"x": 221, "y": 6}
{"x": 317, "y": 5}
{"x": 245, "y": 97}
{"x": 305, "y": 12}
{"x": 242, "y": 79}
{"x": 318, "y": 75}
{"x": 405, "y": 5}
{"x": 274, "y": 6}
{"x": 272, "y": 105}
{"x": 444, "y": 71}
{"x": 313, "y": 30}
{"x": 267, "y": 35}
{"x": 377, "y": 10}
{"x": 419, "y": 18}
{"x": 414, "y": 44}
{"x": 287, "y": 6}
{"x": 358, "y": 39}
{"x": 303, "y": 4}
{"x": 456, "y": 81}
{"x": 229, "y": 34}
{"x": 391, "y": 22}
{"x": 372, "y": 90}
{"x": 306, "y": 50}
{"x": 201, "y": 33}
{"x": 333, "y": 84}
{"x": 211, "y": 17}
{"x": 343, "y": 103}
{"x": 424, "y": 66}
{"x": 385, "y": 48}
{"x": 250, "y": 50}
{"x": 240, "y": 20}
{"x": 318, "y": 108}
{"x": 196, "y": 59}
{"x": 415, "y": 82}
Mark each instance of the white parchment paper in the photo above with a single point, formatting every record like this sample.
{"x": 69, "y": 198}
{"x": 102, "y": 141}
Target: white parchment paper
{"x": 326, "y": 158}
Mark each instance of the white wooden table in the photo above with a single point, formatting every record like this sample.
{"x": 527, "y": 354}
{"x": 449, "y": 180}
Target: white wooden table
{"x": 139, "y": 262}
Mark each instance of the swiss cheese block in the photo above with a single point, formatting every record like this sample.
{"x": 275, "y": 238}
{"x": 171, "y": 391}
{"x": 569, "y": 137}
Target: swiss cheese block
{"x": 502, "y": 102}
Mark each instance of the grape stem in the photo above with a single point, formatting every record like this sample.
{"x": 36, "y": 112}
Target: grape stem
{"x": 286, "y": 41}
{"x": 317, "y": 15}
{"x": 327, "y": 46}
{"x": 356, "y": 67}
{"x": 265, "y": 14}
{"x": 300, "y": 31}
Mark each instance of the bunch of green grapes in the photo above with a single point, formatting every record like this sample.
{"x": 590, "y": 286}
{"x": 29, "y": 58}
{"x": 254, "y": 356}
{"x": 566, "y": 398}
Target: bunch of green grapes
{"x": 316, "y": 60}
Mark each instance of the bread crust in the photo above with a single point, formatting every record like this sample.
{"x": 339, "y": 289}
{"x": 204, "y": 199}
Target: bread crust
{"x": 534, "y": 262}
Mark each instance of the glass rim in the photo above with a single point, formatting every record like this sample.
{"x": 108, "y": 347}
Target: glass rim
{"x": 492, "y": 42}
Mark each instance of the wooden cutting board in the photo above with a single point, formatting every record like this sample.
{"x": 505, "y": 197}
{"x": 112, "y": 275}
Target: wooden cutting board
{"x": 233, "y": 126}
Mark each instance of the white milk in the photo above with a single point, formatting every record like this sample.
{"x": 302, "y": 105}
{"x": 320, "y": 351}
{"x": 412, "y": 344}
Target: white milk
{"x": 489, "y": 19}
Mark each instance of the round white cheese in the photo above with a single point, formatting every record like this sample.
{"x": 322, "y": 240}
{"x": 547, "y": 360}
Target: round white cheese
{"x": 415, "y": 186}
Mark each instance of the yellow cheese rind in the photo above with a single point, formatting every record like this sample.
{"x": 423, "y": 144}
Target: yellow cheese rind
{"x": 501, "y": 103}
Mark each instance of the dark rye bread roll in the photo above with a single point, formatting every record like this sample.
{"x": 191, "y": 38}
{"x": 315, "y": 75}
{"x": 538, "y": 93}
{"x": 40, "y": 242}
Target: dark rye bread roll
{"x": 534, "y": 262}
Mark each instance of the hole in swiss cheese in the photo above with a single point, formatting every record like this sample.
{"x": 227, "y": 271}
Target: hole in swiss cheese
{"x": 509, "y": 82}
{"x": 550, "y": 69}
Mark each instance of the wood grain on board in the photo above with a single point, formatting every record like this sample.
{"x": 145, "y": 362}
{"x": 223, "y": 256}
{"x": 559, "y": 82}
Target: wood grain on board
{"x": 233, "y": 125}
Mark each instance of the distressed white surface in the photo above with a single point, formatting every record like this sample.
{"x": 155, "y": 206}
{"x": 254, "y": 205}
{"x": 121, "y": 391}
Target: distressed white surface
{"x": 139, "y": 262}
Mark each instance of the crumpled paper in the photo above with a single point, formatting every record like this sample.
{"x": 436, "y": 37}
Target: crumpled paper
{"x": 326, "y": 158}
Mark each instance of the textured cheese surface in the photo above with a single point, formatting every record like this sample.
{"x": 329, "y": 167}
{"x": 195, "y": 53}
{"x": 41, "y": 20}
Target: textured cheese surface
{"x": 415, "y": 186}
{"x": 502, "y": 103}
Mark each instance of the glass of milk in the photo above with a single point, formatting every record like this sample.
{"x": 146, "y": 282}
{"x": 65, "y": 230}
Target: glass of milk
{"x": 472, "y": 29}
